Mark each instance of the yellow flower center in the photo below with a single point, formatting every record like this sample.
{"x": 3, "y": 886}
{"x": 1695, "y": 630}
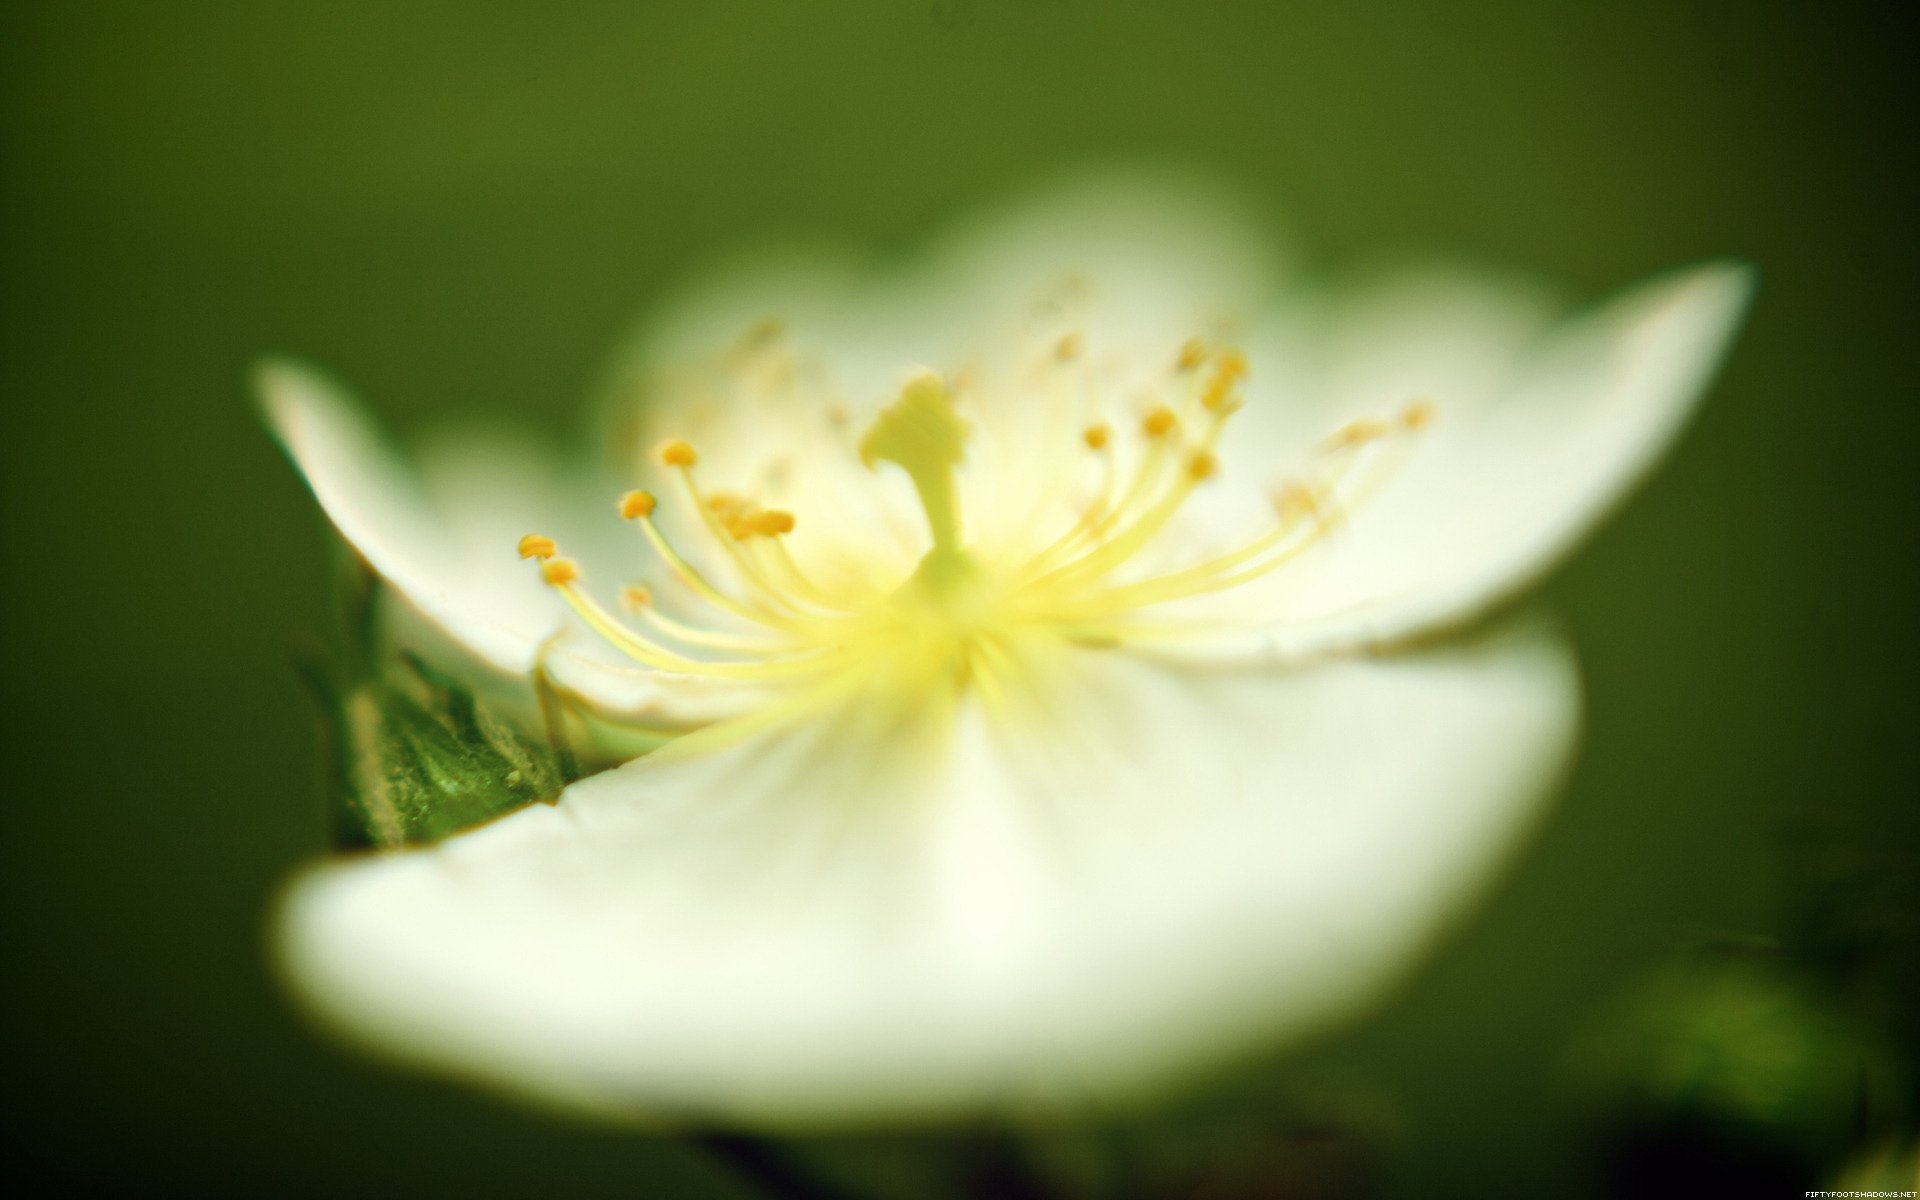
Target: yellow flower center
{"x": 958, "y": 620}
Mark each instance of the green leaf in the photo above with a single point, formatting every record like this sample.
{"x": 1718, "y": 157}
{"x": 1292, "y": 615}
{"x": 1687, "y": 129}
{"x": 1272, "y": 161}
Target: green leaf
{"x": 417, "y": 758}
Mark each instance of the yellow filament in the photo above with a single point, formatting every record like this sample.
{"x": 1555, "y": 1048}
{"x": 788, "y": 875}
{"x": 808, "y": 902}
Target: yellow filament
{"x": 767, "y": 598}
{"x": 653, "y": 654}
{"x": 1123, "y": 545}
{"x": 697, "y": 583}
{"x": 781, "y": 561}
{"x": 1107, "y": 511}
{"x": 694, "y": 635}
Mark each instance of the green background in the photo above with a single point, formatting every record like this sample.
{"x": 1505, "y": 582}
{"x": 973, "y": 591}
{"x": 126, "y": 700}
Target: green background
{"x": 458, "y": 207}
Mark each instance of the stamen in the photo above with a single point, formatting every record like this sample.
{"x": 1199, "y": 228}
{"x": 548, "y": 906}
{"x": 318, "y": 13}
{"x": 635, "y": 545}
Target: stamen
{"x": 957, "y": 618}
{"x": 536, "y": 545}
{"x": 696, "y": 582}
{"x": 727, "y": 529}
{"x": 1122, "y": 546}
{"x": 1306, "y": 513}
{"x": 1229, "y": 369}
{"x": 781, "y": 561}
{"x": 1356, "y": 433}
{"x": 773, "y": 522}
{"x": 562, "y": 573}
{"x": 639, "y": 601}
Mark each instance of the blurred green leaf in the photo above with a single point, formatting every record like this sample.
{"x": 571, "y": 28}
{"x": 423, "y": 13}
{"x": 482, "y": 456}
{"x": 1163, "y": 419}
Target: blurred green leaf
{"x": 416, "y": 758}
{"x": 1730, "y": 1066}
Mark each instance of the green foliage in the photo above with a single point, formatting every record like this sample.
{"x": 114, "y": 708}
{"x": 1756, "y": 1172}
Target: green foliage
{"x": 1732, "y": 1064}
{"x": 416, "y": 758}
{"x": 411, "y": 755}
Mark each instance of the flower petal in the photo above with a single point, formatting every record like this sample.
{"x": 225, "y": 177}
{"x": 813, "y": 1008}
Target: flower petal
{"x": 443, "y": 537}
{"x": 877, "y": 912}
{"x": 1515, "y": 470}
{"x": 379, "y": 506}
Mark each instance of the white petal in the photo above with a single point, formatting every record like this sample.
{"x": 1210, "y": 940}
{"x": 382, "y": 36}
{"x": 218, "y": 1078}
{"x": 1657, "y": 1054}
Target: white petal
{"x": 1521, "y": 463}
{"x": 878, "y": 913}
{"x": 378, "y": 504}
{"x": 444, "y": 539}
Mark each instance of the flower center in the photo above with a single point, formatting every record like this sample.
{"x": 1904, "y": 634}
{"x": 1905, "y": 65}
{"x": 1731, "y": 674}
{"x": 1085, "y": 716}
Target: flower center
{"x": 960, "y": 618}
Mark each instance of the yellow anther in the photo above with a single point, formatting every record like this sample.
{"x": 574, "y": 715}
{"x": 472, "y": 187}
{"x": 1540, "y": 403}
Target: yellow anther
{"x": 1356, "y": 433}
{"x": 1097, "y": 436}
{"x": 536, "y": 545}
{"x": 678, "y": 454}
{"x": 636, "y": 504}
{"x": 1230, "y": 368}
{"x": 1192, "y": 353}
{"x": 1070, "y": 347}
{"x": 726, "y": 503}
{"x": 773, "y": 522}
{"x": 1202, "y": 465}
{"x": 739, "y": 525}
{"x": 560, "y": 571}
{"x": 1297, "y": 500}
{"x": 1419, "y": 414}
{"x": 636, "y": 596}
{"x": 1159, "y": 423}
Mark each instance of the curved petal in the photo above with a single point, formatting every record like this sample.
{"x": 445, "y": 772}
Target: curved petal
{"x": 443, "y": 537}
{"x": 877, "y": 912}
{"x": 1505, "y": 482}
{"x": 379, "y": 506}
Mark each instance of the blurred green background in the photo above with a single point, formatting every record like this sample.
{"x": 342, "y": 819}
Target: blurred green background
{"x": 458, "y": 207}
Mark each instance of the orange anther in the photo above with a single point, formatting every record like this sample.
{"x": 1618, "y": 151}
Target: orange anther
{"x": 678, "y": 454}
{"x": 560, "y": 571}
{"x": 773, "y": 522}
{"x": 1230, "y": 368}
{"x": 637, "y": 504}
{"x": 1356, "y": 433}
{"x": 1419, "y": 414}
{"x": 536, "y": 545}
{"x": 636, "y": 596}
{"x": 1297, "y": 500}
{"x": 1193, "y": 352}
{"x": 1159, "y": 422}
{"x": 1097, "y": 436}
{"x": 1202, "y": 465}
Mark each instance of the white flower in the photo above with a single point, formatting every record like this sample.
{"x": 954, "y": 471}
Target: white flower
{"x": 1061, "y": 624}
